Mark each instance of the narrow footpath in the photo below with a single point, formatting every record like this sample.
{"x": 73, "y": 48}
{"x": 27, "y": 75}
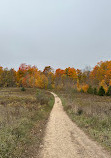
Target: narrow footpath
{"x": 63, "y": 139}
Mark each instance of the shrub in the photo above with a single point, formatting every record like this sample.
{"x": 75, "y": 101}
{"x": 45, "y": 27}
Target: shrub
{"x": 101, "y": 91}
{"x": 42, "y": 98}
{"x": 95, "y": 91}
{"x": 90, "y": 90}
{"x": 79, "y": 111}
{"x": 23, "y": 89}
{"x": 109, "y": 91}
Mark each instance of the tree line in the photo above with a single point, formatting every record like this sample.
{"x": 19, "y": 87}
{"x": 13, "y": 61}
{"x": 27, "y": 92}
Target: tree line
{"x": 90, "y": 81}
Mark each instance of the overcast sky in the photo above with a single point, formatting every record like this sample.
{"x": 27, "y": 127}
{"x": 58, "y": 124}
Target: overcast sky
{"x": 59, "y": 33}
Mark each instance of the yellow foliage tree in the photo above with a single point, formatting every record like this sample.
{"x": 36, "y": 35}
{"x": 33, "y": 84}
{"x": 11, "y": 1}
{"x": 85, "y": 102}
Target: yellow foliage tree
{"x": 104, "y": 85}
{"x": 85, "y": 87}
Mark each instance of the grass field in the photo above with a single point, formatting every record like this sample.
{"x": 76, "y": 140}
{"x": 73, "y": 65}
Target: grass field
{"x": 91, "y": 113}
{"x": 23, "y": 115}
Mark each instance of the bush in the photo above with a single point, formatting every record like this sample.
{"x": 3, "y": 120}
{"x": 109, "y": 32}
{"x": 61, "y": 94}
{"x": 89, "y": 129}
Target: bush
{"x": 101, "y": 91}
{"x": 23, "y": 89}
{"x": 79, "y": 111}
{"x": 95, "y": 91}
{"x": 90, "y": 90}
{"x": 109, "y": 91}
{"x": 42, "y": 98}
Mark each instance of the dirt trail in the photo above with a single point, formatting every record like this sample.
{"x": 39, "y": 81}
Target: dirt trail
{"x": 64, "y": 139}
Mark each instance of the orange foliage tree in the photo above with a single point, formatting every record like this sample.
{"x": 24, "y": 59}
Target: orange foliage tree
{"x": 30, "y": 76}
{"x": 102, "y": 71}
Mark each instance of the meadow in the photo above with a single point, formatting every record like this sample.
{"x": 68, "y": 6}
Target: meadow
{"x": 92, "y": 113}
{"x": 23, "y": 117}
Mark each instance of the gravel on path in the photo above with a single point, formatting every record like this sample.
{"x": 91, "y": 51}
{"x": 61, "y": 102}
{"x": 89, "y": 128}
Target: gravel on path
{"x": 63, "y": 139}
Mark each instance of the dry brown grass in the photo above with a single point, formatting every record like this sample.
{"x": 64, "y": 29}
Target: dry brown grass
{"x": 92, "y": 113}
{"x": 22, "y": 121}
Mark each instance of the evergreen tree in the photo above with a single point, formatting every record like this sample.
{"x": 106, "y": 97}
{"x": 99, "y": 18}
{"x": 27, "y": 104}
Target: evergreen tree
{"x": 109, "y": 91}
{"x": 90, "y": 90}
{"x": 101, "y": 91}
{"x": 95, "y": 91}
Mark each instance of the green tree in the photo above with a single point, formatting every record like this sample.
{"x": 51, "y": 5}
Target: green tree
{"x": 90, "y": 90}
{"x": 101, "y": 91}
{"x": 95, "y": 91}
{"x": 109, "y": 91}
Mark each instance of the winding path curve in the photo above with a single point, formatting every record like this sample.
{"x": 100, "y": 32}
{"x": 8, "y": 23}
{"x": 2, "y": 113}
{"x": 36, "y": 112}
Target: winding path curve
{"x": 64, "y": 139}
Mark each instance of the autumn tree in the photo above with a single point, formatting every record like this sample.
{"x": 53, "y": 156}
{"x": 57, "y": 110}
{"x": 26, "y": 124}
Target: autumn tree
{"x": 30, "y": 76}
{"x": 59, "y": 75}
{"x": 49, "y": 73}
{"x": 102, "y": 71}
{"x": 8, "y": 78}
{"x": 85, "y": 78}
{"x": 1, "y": 71}
{"x": 79, "y": 75}
{"x": 47, "y": 70}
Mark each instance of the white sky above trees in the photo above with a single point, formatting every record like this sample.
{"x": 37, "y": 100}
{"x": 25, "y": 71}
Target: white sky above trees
{"x": 60, "y": 33}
